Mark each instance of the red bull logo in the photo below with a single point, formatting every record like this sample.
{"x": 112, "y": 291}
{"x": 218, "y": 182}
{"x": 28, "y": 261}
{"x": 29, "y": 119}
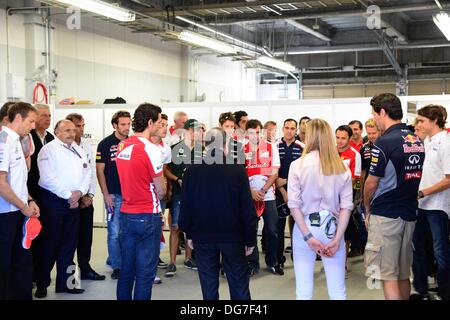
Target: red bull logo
{"x": 410, "y": 138}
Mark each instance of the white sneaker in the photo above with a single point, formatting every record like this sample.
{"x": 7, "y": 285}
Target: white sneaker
{"x": 157, "y": 280}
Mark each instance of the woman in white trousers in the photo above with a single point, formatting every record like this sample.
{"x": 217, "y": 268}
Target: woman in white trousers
{"x": 320, "y": 199}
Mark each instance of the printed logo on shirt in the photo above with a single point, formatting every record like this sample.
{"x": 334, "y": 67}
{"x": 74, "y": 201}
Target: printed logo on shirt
{"x": 98, "y": 156}
{"x": 374, "y": 159}
{"x": 125, "y": 154}
{"x": 413, "y": 175}
{"x": 414, "y": 159}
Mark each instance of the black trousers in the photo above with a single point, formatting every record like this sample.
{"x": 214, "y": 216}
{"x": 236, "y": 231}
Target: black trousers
{"x": 234, "y": 263}
{"x": 85, "y": 239}
{"x": 16, "y": 265}
{"x": 35, "y": 245}
{"x": 58, "y": 241}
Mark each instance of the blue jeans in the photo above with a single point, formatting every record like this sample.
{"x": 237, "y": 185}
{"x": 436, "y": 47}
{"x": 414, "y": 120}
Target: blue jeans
{"x": 114, "y": 256}
{"x": 140, "y": 236}
{"x": 436, "y": 222}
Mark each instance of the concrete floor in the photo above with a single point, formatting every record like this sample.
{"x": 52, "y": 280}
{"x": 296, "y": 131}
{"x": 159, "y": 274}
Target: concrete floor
{"x": 185, "y": 285}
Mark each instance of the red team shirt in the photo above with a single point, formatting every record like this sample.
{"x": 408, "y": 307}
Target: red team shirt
{"x": 259, "y": 164}
{"x": 138, "y": 163}
{"x": 352, "y": 159}
{"x": 355, "y": 146}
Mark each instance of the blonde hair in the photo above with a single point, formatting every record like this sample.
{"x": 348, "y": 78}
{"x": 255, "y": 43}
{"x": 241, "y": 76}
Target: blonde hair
{"x": 319, "y": 136}
{"x": 371, "y": 124}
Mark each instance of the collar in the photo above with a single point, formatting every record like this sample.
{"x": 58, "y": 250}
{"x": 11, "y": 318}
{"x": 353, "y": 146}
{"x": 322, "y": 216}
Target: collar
{"x": 438, "y": 136}
{"x": 398, "y": 126}
{"x": 63, "y": 144}
{"x": 14, "y": 135}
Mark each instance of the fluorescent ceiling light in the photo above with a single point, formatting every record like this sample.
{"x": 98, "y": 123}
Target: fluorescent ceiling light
{"x": 272, "y": 80}
{"x": 201, "y": 26}
{"x": 206, "y": 42}
{"x": 442, "y": 20}
{"x": 102, "y": 8}
{"x": 275, "y": 63}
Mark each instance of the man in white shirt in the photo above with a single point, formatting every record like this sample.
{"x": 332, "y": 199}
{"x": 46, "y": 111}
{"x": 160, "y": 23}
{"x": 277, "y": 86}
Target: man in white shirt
{"x": 434, "y": 203}
{"x": 16, "y": 266}
{"x": 176, "y": 132}
{"x": 65, "y": 177}
{"x": 86, "y": 205}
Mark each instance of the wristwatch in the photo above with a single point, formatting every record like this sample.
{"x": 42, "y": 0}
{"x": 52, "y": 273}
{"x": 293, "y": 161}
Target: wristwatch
{"x": 307, "y": 237}
{"x": 420, "y": 195}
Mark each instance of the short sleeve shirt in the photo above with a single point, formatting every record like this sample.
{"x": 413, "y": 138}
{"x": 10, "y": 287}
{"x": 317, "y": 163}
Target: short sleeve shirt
{"x": 12, "y": 161}
{"x": 138, "y": 163}
{"x": 352, "y": 159}
{"x": 106, "y": 153}
{"x": 397, "y": 159}
{"x": 259, "y": 164}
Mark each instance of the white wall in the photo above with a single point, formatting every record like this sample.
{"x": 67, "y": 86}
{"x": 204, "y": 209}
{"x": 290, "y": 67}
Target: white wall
{"x": 103, "y": 60}
{"x": 17, "y": 49}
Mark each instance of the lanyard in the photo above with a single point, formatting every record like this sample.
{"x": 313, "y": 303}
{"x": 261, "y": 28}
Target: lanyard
{"x": 72, "y": 149}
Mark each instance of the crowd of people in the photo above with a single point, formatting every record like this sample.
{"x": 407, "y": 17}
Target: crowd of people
{"x": 385, "y": 196}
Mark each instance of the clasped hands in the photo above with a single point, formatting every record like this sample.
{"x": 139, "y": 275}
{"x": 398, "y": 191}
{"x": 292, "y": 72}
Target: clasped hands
{"x": 325, "y": 250}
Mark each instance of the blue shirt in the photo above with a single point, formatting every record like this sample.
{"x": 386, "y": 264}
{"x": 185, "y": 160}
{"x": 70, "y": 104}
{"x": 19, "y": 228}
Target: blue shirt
{"x": 397, "y": 159}
{"x": 288, "y": 154}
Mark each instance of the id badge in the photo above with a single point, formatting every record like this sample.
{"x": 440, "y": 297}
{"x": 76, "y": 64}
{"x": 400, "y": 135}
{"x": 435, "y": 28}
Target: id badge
{"x": 314, "y": 218}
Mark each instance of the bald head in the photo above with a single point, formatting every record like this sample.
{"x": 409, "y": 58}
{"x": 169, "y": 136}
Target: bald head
{"x": 179, "y": 119}
{"x": 65, "y": 131}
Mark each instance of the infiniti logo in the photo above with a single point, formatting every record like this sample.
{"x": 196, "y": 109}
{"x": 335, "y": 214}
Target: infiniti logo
{"x": 414, "y": 159}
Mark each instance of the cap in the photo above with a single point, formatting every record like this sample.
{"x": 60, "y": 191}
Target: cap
{"x": 31, "y": 229}
{"x": 192, "y": 123}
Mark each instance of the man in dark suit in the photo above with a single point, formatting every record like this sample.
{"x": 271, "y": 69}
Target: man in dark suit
{"x": 40, "y": 137}
{"x": 219, "y": 217}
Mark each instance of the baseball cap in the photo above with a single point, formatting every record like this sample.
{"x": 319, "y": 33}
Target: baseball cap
{"x": 192, "y": 123}
{"x": 31, "y": 229}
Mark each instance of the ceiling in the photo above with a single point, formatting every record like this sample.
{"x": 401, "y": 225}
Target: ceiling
{"x": 313, "y": 34}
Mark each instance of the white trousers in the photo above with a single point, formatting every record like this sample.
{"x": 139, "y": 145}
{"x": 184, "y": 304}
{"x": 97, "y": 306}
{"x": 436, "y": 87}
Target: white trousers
{"x": 305, "y": 258}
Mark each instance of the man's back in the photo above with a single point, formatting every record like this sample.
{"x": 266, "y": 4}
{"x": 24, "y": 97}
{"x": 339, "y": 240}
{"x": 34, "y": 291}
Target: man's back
{"x": 216, "y": 204}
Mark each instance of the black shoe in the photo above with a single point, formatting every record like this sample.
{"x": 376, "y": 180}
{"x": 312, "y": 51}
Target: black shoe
{"x": 418, "y": 296}
{"x": 162, "y": 264}
{"x": 75, "y": 291}
{"x": 253, "y": 270}
{"x": 92, "y": 275}
{"x": 276, "y": 270}
{"x": 115, "y": 275}
{"x": 354, "y": 253}
{"x": 40, "y": 293}
{"x": 318, "y": 258}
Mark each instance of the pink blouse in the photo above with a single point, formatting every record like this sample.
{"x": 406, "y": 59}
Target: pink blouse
{"x": 310, "y": 191}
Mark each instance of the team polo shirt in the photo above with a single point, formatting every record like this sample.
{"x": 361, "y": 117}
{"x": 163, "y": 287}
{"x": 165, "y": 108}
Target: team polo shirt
{"x": 259, "y": 164}
{"x": 435, "y": 167}
{"x": 288, "y": 154}
{"x": 352, "y": 159}
{"x": 138, "y": 163}
{"x": 182, "y": 157}
{"x": 366, "y": 157}
{"x": 397, "y": 159}
{"x": 166, "y": 152}
{"x": 12, "y": 161}
{"x": 106, "y": 153}
{"x": 356, "y": 146}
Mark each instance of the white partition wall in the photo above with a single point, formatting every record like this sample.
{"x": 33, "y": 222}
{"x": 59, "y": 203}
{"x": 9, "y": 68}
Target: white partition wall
{"x": 335, "y": 111}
